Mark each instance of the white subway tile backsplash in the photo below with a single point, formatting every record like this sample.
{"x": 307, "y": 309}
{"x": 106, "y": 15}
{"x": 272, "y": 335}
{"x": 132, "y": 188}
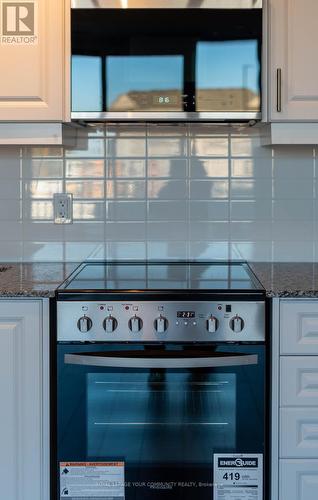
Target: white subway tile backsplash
{"x": 249, "y": 145}
{"x": 89, "y": 210}
{"x": 126, "y": 147}
{"x": 120, "y": 189}
{"x": 209, "y": 231}
{"x": 167, "y": 189}
{"x": 118, "y": 168}
{"x": 293, "y": 251}
{"x": 255, "y": 168}
{"x": 251, "y": 231}
{"x": 167, "y": 210}
{"x": 126, "y": 250}
{"x": 173, "y": 168}
{"x": 167, "y": 146}
{"x": 161, "y": 250}
{"x": 251, "y": 189}
{"x": 83, "y": 169}
{"x": 208, "y": 189}
{"x": 37, "y": 168}
{"x": 209, "y": 146}
{"x": 126, "y": 211}
{"x": 91, "y": 148}
{"x": 293, "y": 209}
{"x": 251, "y": 210}
{"x": 86, "y": 189}
{"x": 125, "y": 231}
{"x": 209, "y": 210}
{"x": 201, "y": 168}
{"x": 167, "y": 231}
{"x": 295, "y": 189}
{"x": 42, "y": 188}
{"x": 161, "y": 191}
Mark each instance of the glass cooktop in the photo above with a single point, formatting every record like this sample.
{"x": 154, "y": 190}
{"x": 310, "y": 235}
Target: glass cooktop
{"x": 91, "y": 276}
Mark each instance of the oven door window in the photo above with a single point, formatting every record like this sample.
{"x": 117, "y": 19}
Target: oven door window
{"x": 165, "y": 424}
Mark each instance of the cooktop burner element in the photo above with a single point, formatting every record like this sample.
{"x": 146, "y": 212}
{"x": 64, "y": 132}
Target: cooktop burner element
{"x": 211, "y": 276}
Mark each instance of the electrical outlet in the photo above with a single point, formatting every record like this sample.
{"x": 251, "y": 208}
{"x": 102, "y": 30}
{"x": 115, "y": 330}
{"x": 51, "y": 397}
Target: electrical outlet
{"x": 63, "y": 208}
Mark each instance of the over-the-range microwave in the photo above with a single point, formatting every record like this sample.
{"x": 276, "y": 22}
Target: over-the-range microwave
{"x": 166, "y": 60}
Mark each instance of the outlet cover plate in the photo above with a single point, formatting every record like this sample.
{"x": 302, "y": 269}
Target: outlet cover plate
{"x": 63, "y": 208}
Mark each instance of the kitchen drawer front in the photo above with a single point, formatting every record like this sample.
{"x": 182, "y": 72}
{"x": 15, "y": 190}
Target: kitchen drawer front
{"x": 298, "y": 480}
{"x": 299, "y": 327}
{"x": 299, "y": 381}
{"x": 299, "y": 433}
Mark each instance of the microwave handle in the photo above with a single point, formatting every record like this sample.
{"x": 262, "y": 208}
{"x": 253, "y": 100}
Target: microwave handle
{"x": 172, "y": 363}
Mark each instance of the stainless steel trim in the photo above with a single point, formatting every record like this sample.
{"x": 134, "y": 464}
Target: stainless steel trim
{"x": 164, "y": 116}
{"x": 279, "y": 90}
{"x": 166, "y": 4}
{"x": 172, "y": 363}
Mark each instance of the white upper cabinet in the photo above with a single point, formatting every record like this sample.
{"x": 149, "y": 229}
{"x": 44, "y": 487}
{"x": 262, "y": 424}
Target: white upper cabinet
{"x": 293, "y": 72}
{"x": 34, "y": 60}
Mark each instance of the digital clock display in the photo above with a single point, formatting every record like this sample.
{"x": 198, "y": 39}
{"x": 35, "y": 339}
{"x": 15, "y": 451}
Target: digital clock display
{"x": 185, "y": 314}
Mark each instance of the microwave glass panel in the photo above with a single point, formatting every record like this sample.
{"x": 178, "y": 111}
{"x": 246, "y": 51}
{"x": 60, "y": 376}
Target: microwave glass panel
{"x": 144, "y": 83}
{"x": 227, "y": 76}
{"x": 170, "y": 60}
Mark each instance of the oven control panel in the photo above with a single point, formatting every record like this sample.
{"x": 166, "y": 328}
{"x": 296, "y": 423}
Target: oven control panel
{"x": 162, "y": 322}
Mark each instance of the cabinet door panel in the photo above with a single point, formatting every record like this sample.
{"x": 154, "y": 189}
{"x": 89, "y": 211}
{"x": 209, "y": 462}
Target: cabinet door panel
{"x": 293, "y": 42}
{"x": 21, "y": 457}
{"x": 299, "y": 381}
{"x": 299, "y": 327}
{"x": 33, "y": 76}
{"x": 298, "y": 433}
{"x": 298, "y": 480}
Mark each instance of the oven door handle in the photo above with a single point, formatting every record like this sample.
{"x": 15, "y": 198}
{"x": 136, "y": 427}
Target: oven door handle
{"x": 169, "y": 362}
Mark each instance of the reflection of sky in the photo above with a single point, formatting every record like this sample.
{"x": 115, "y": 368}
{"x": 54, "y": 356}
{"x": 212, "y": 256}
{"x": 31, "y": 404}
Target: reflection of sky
{"x": 222, "y": 65}
{"x": 126, "y": 73}
{"x": 231, "y": 64}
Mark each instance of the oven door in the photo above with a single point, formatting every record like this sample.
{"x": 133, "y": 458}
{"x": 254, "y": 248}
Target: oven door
{"x": 159, "y": 421}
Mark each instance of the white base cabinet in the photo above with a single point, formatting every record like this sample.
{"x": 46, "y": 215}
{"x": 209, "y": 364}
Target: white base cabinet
{"x": 295, "y": 400}
{"x": 24, "y": 431}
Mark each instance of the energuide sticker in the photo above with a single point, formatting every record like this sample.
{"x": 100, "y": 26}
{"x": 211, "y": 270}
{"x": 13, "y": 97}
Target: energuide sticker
{"x": 85, "y": 480}
{"x": 238, "y": 477}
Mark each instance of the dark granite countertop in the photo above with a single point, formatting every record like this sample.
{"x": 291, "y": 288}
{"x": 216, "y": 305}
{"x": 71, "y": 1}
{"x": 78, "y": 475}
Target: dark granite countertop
{"x": 32, "y": 279}
{"x": 41, "y": 279}
{"x": 288, "y": 279}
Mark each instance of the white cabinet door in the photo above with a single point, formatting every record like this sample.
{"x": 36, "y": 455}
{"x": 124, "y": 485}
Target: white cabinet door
{"x": 298, "y": 480}
{"x": 299, "y": 433}
{"x": 293, "y": 42}
{"x": 22, "y": 457}
{"x": 34, "y": 76}
{"x": 299, "y": 326}
{"x": 299, "y": 381}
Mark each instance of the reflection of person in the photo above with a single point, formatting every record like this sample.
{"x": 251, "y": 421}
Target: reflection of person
{"x": 167, "y": 192}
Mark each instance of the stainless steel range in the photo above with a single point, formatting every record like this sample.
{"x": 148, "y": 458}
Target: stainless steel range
{"x": 161, "y": 382}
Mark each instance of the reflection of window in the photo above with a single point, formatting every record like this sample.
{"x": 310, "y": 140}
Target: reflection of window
{"x": 149, "y": 83}
{"x": 227, "y": 76}
{"x": 87, "y": 83}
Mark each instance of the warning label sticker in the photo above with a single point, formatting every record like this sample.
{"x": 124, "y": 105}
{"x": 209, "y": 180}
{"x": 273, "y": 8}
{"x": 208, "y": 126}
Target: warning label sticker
{"x": 238, "y": 477}
{"x": 92, "y": 480}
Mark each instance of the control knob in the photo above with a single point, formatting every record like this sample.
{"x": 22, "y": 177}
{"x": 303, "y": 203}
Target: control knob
{"x": 110, "y": 324}
{"x": 161, "y": 324}
{"x": 135, "y": 324}
{"x": 237, "y": 324}
{"x": 212, "y": 324}
{"x": 84, "y": 324}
